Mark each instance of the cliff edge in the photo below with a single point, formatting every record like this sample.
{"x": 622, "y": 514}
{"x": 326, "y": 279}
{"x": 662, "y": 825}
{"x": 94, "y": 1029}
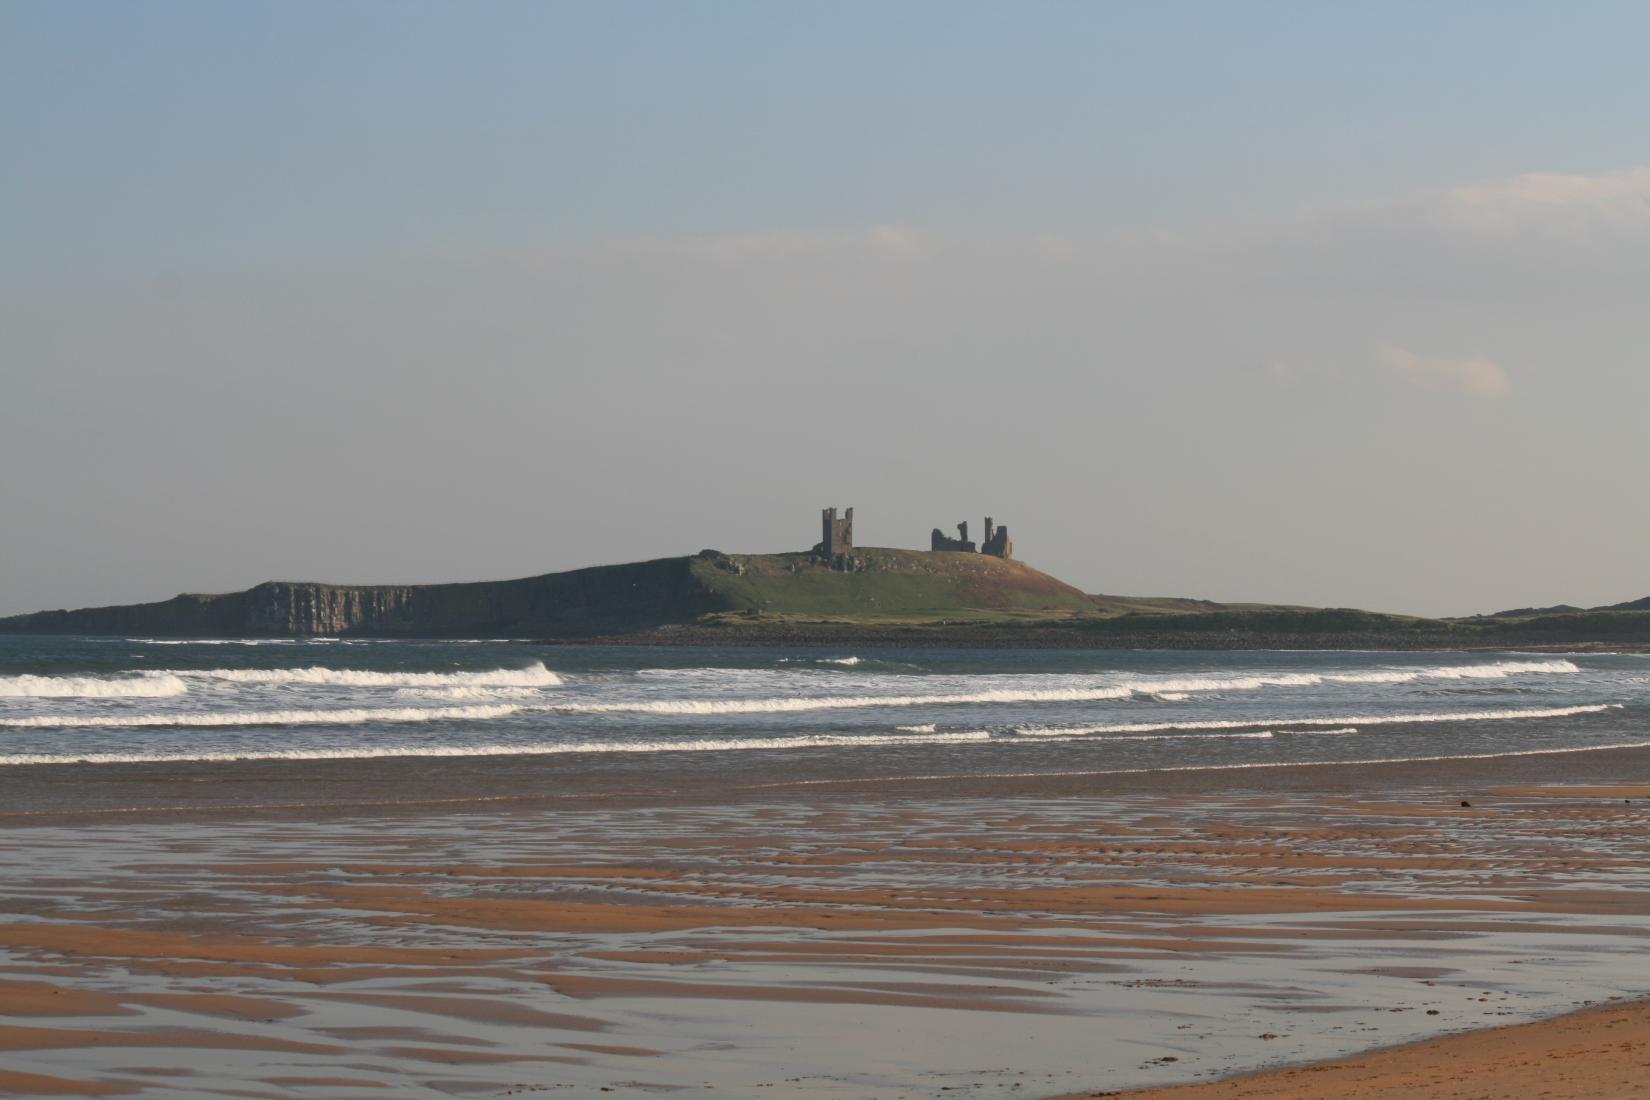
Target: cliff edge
{"x": 600, "y": 600}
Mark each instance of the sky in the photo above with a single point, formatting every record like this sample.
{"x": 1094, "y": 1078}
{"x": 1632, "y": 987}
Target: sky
{"x": 1331, "y": 304}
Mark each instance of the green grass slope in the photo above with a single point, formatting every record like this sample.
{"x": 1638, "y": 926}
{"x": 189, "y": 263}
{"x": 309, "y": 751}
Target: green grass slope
{"x": 885, "y": 586}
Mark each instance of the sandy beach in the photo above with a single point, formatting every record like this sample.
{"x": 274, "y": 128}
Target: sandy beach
{"x": 844, "y": 939}
{"x": 1601, "y": 1052}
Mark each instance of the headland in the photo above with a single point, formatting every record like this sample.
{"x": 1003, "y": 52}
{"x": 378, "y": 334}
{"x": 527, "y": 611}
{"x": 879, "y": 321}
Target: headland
{"x": 955, "y": 594}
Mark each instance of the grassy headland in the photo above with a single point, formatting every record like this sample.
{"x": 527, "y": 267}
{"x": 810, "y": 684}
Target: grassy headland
{"x": 884, "y": 597}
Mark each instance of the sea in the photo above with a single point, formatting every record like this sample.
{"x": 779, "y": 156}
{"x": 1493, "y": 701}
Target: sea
{"x": 696, "y": 714}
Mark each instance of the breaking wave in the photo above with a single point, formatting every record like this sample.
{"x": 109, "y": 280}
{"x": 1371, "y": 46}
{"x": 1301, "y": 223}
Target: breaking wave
{"x": 217, "y": 641}
{"x": 1257, "y": 735}
{"x": 157, "y": 686}
{"x": 344, "y": 716}
{"x": 467, "y": 691}
{"x": 535, "y": 675}
{"x": 704, "y": 744}
{"x": 1496, "y": 670}
{"x": 1167, "y": 689}
{"x": 832, "y": 702}
{"x": 1339, "y": 720}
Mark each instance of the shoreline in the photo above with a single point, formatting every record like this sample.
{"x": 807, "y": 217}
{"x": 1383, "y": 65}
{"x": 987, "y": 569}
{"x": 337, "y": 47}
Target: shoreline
{"x": 1599, "y": 1052}
{"x": 165, "y": 790}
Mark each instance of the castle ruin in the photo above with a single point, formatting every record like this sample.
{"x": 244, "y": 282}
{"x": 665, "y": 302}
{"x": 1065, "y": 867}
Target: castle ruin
{"x": 836, "y": 542}
{"x": 837, "y": 535}
{"x": 938, "y": 540}
{"x": 997, "y": 543}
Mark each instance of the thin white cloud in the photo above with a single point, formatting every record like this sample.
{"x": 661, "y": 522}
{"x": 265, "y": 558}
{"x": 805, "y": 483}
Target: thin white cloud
{"x": 1535, "y": 241}
{"x": 1477, "y": 377}
{"x": 1531, "y": 203}
{"x": 1612, "y": 199}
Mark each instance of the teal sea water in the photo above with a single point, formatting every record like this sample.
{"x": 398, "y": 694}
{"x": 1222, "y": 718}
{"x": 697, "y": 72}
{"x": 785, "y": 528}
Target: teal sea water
{"x": 801, "y": 713}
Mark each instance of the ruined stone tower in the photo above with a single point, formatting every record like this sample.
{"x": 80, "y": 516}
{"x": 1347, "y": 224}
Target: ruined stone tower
{"x": 997, "y": 543}
{"x": 837, "y": 534}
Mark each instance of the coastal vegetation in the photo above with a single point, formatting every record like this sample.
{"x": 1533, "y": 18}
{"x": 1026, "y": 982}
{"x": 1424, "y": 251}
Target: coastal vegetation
{"x": 876, "y": 596}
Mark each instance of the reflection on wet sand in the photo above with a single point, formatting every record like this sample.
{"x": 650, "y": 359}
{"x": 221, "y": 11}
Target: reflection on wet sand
{"x": 854, "y": 946}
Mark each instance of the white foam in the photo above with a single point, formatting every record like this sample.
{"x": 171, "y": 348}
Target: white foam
{"x": 535, "y": 675}
{"x": 735, "y": 744}
{"x": 832, "y": 702}
{"x": 1071, "y": 735}
{"x": 90, "y": 687}
{"x": 916, "y": 729}
{"x": 1258, "y": 735}
{"x": 346, "y": 716}
{"x": 839, "y": 660}
{"x": 466, "y": 691}
{"x": 1495, "y": 670}
{"x": 1337, "y": 720}
{"x": 1083, "y": 734}
{"x": 215, "y": 641}
{"x": 1168, "y": 689}
{"x": 706, "y": 744}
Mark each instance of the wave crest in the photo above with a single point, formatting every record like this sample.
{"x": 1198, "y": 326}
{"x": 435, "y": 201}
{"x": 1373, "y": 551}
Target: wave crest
{"x": 467, "y": 691}
{"x": 153, "y": 686}
{"x": 1338, "y": 720}
{"x": 344, "y": 716}
{"x": 534, "y": 675}
{"x": 703, "y": 744}
{"x": 833, "y": 702}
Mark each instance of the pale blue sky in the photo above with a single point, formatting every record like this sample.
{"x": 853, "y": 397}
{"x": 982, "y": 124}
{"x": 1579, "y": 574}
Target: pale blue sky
{"x": 217, "y": 132}
{"x": 1318, "y": 302}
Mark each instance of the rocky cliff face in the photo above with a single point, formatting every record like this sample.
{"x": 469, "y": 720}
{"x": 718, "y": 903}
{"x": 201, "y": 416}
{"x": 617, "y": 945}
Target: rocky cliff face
{"x": 603, "y": 599}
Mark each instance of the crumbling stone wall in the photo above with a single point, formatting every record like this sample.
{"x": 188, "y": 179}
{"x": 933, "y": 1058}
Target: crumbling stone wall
{"x": 997, "y": 543}
{"x": 938, "y": 540}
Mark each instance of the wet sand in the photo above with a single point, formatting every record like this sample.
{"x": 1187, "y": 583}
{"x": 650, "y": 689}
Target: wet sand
{"x": 1029, "y": 936}
{"x": 1600, "y": 1054}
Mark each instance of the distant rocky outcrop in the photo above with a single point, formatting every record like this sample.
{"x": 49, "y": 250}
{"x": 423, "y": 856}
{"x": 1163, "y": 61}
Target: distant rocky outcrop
{"x": 1527, "y": 612}
{"x": 1568, "y": 609}
{"x": 601, "y": 599}
{"x": 1634, "y": 605}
